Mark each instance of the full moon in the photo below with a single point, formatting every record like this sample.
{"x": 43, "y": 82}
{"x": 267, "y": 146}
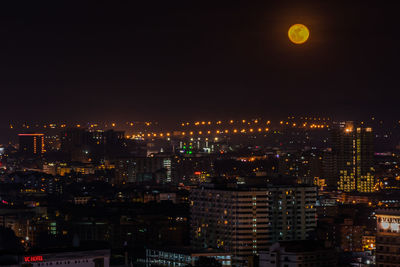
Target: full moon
{"x": 298, "y": 33}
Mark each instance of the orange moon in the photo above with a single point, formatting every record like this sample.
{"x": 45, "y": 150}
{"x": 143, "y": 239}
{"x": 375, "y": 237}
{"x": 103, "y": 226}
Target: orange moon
{"x": 298, "y": 33}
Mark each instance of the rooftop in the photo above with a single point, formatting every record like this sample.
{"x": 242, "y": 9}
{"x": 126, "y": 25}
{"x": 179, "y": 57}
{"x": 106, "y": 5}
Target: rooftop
{"x": 189, "y": 250}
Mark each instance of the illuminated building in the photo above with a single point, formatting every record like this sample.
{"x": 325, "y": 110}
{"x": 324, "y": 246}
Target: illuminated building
{"x": 50, "y": 168}
{"x": 124, "y": 171}
{"x": 232, "y": 220}
{"x": 143, "y": 169}
{"x": 183, "y": 257}
{"x": 31, "y": 144}
{"x": 167, "y": 165}
{"x": 354, "y": 154}
{"x": 192, "y": 168}
{"x": 291, "y": 212}
{"x": 304, "y": 164}
{"x": 388, "y": 237}
{"x": 355, "y": 198}
{"x": 246, "y": 220}
{"x": 81, "y": 200}
{"x": 368, "y": 242}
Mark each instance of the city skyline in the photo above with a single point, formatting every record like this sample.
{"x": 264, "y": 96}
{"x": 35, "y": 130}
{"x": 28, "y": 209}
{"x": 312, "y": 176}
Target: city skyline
{"x": 199, "y": 134}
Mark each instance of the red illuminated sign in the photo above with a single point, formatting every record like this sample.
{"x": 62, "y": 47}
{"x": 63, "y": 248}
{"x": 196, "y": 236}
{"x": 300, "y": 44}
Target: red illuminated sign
{"x": 33, "y": 258}
{"x": 197, "y": 173}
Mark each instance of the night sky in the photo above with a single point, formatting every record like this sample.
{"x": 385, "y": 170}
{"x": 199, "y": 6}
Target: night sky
{"x": 175, "y": 60}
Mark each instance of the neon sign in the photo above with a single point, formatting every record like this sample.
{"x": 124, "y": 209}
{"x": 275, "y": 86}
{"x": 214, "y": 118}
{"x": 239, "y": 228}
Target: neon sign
{"x": 389, "y": 223}
{"x": 33, "y": 258}
{"x": 389, "y": 219}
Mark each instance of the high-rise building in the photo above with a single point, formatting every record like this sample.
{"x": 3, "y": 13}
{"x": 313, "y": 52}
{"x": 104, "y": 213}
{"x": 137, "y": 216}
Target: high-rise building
{"x": 143, "y": 169}
{"x": 354, "y": 155}
{"x": 230, "y": 219}
{"x": 31, "y": 143}
{"x": 245, "y": 220}
{"x": 388, "y": 237}
{"x": 329, "y": 169}
{"x": 291, "y": 212}
{"x": 88, "y": 145}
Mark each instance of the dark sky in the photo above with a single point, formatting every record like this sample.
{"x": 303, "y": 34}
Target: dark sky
{"x": 174, "y": 60}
